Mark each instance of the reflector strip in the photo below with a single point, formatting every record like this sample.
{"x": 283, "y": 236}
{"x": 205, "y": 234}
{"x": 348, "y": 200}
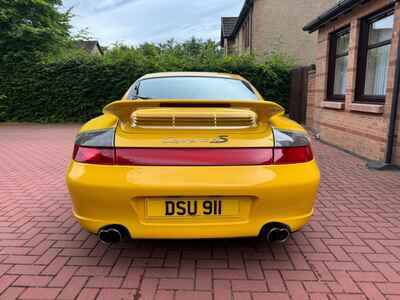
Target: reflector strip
{"x": 193, "y": 157}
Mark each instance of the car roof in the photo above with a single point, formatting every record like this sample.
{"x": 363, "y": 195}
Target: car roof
{"x": 192, "y": 74}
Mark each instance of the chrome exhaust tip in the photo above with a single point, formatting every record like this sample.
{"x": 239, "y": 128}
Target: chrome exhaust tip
{"x": 276, "y": 233}
{"x": 110, "y": 235}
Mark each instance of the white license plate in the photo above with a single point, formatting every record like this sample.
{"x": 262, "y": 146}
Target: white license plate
{"x": 184, "y": 207}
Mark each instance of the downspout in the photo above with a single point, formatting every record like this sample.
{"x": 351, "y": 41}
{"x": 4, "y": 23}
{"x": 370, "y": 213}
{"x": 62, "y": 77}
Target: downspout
{"x": 387, "y": 164}
{"x": 251, "y": 28}
{"x": 395, "y": 105}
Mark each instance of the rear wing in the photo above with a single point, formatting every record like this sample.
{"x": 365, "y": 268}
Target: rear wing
{"x": 123, "y": 109}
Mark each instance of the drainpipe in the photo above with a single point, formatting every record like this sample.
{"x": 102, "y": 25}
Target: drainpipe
{"x": 391, "y": 136}
{"x": 395, "y": 104}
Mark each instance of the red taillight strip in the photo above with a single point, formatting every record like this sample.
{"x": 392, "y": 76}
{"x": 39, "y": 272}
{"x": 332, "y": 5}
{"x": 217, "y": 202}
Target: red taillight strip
{"x": 193, "y": 156}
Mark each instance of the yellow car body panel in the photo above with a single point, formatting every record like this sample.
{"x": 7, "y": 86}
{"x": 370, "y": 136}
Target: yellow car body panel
{"x": 114, "y": 194}
{"x": 104, "y": 121}
{"x": 268, "y": 194}
{"x": 285, "y": 123}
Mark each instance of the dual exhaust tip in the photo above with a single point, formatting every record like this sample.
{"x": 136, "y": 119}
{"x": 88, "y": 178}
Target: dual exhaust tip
{"x": 278, "y": 235}
{"x": 274, "y": 233}
{"x": 111, "y": 235}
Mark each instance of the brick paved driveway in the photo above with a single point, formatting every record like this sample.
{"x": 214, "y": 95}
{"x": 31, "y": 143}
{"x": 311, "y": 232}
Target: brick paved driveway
{"x": 350, "y": 250}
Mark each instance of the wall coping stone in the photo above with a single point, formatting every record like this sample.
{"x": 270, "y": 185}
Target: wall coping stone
{"x": 367, "y": 108}
{"x": 333, "y": 105}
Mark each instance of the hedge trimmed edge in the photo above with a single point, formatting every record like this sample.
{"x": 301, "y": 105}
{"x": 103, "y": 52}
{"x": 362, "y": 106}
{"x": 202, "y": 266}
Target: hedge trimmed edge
{"x": 75, "y": 89}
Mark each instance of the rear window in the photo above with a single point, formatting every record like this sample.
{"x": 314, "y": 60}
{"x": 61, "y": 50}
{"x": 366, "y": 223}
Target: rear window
{"x": 207, "y": 88}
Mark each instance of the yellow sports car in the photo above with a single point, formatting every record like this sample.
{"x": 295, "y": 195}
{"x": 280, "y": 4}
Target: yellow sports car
{"x": 192, "y": 155}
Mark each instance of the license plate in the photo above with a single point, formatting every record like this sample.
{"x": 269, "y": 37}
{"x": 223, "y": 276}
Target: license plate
{"x": 192, "y": 207}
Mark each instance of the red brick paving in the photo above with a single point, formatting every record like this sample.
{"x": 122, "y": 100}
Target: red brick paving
{"x": 350, "y": 250}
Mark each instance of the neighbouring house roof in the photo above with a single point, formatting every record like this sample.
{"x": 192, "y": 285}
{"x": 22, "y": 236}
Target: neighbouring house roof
{"x": 89, "y": 46}
{"x": 227, "y": 26}
{"x": 343, "y": 7}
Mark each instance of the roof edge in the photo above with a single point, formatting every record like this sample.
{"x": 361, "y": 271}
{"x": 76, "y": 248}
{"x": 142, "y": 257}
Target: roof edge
{"x": 242, "y": 16}
{"x": 227, "y": 23}
{"x": 332, "y": 13}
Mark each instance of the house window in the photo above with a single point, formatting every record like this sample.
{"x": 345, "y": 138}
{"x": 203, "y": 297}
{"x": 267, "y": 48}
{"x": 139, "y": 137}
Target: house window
{"x": 373, "y": 66}
{"x": 339, "y": 57}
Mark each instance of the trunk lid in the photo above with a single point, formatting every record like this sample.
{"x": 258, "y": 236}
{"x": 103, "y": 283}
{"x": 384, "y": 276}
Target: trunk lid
{"x": 193, "y": 123}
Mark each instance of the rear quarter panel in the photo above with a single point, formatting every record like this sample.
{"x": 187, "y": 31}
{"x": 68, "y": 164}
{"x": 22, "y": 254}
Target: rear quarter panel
{"x": 282, "y": 122}
{"x": 101, "y": 122}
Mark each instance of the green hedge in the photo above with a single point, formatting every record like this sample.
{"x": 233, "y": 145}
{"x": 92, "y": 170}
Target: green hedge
{"x": 75, "y": 88}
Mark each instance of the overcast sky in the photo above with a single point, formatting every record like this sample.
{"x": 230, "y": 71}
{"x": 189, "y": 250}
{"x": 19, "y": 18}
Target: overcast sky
{"x": 137, "y": 21}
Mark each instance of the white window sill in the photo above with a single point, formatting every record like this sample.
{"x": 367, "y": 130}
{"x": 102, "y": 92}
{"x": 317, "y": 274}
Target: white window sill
{"x": 367, "y": 108}
{"x": 333, "y": 105}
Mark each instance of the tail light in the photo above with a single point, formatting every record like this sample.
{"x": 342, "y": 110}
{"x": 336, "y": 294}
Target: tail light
{"x": 95, "y": 147}
{"x": 101, "y": 156}
{"x": 98, "y": 148}
{"x": 291, "y": 147}
{"x": 292, "y": 155}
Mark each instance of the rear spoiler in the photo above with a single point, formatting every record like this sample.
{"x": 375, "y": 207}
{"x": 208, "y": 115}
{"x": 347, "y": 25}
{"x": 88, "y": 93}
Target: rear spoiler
{"x": 123, "y": 109}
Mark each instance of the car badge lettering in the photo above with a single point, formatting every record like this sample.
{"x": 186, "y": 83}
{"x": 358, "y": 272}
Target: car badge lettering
{"x": 220, "y": 139}
{"x": 216, "y": 140}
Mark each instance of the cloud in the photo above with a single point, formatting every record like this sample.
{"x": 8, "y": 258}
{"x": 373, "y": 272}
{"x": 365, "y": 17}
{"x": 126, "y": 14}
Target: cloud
{"x": 138, "y": 21}
{"x": 108, "y": 5}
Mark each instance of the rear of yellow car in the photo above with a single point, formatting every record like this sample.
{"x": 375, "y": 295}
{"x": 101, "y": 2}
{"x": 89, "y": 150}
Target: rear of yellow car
{"x": 192, "y": 168}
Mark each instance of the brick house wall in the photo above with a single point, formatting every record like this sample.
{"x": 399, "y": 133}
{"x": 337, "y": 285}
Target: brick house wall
{"x": 277, "y": 26}
{"x": 358, "y": 127}
{"x": 238, "y": 43}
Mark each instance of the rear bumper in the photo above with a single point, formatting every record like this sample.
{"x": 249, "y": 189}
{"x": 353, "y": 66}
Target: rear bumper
{"x": 104, "y": 195}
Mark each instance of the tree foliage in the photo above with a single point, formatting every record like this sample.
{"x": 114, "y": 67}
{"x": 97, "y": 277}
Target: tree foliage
{"x": 31, "y": 29}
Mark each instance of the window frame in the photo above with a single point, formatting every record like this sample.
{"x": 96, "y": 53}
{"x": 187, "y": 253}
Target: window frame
{"x": 333, "y": 56}
{"x": 364, "y": 48}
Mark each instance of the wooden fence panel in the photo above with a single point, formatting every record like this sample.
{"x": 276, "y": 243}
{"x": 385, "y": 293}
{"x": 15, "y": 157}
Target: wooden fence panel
{"x": 298, "y": 94}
